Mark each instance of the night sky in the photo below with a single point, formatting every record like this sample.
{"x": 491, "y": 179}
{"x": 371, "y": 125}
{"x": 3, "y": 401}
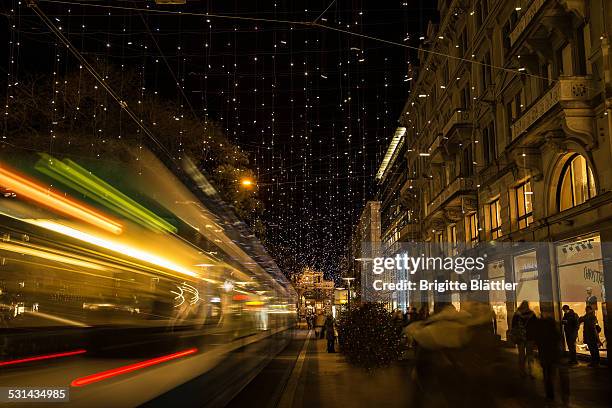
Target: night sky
{"x": 314, "y": 107}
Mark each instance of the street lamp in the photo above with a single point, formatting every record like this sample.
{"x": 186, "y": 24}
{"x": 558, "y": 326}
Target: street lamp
{"x": 247, "y": 182}
{"x": 348, "y": 283}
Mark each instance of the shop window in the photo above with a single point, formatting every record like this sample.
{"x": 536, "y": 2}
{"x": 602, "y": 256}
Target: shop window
{"x": 581, "y": 279}
{"x": 471, "y": 226}
{"x": 577, "y": 183}
{"x": 524, "y": 209}
{"x": 526, "y": 276}
{"x": 497, "y": 298}
{"x": 493, "y": 212}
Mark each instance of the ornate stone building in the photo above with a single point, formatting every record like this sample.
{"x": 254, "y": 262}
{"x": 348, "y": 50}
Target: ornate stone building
{"x": 508, "y": 138}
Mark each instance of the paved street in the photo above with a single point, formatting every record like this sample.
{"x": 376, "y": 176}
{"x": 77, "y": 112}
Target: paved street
{"x": 326, "y": 380}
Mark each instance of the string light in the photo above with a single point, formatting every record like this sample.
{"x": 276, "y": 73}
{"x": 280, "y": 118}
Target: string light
{"x": 312, "y": 108}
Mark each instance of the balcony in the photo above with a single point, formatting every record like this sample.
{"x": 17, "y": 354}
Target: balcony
{"x": 568, "y": 91}
{"x": 458, "y": 118}
{"x": 525, "y": 20}
{"x": 458, "y": 187}
{"x": 410, "y": 231}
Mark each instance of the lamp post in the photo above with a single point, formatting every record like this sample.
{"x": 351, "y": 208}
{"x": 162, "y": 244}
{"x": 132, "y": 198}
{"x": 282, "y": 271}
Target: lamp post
{"x": 348, "y": 283}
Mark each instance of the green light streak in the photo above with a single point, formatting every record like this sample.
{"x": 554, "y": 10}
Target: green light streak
{"x": 85, "y": 182}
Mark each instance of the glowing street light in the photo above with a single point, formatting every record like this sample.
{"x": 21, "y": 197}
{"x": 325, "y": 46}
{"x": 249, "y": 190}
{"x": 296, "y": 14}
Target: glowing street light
{"x": 247, "y": 182}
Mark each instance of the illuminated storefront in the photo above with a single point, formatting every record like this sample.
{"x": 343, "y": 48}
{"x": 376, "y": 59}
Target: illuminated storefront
{"x": 581, "y": 279}
{"x": 526, "y": 274}
{"x": 497, "y": 299}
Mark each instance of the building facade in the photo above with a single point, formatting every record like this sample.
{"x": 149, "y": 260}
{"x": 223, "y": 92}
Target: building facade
{"x": 508, "y": 138}
{"x": 365, "y": 245}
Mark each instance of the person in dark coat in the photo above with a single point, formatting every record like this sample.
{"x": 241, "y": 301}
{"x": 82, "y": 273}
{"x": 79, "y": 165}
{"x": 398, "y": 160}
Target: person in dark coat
{"x": 590, "y": 335}
{"x": 520, "y": 334}
{"x": 550, "y": 349}
{"x": 570, "y": 326}
{"x": 330, "y": 334}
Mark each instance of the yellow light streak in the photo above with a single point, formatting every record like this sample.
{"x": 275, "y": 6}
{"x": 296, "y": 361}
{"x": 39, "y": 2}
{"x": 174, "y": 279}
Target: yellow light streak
{"x": 49, "y": 256}
{"x": 41, "y": 195}
{"x": 112, "y": 246}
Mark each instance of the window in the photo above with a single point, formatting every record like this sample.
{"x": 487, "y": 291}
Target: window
{"x": 494, "y": 219}
{"x": 467, "y": 164}
{"x": 478, "y": 17}
{"x": 465, "y": 96}
{"x": 463, "y": 41}
{"x": 524, "y": 210}
{"x": 485, "y": 72}
{"x": 484, "y": 9}
{"x": 489, "y": 144}
{"x": 577, "y": 183}
{"x": 518, "y": 104}
{"x": 452, "y": 238}
{"x": 581, "y": 52}
{"x": 471, "y": 227}
{"x": 545, "y": 71}
{"x": 439, "y": 242}
{"x": 506, "y": 30}
{"x": 509, "y": 119}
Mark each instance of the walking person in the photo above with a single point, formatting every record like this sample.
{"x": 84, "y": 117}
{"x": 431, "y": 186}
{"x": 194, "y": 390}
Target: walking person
{"x": 520, "y": 334}
{"x": 319, "y": 325}
{"x": 590, "y": 335}
{"x": 570, "y": 325}
{"x": 330, "y": 334}
{"x": 548, "y": 339}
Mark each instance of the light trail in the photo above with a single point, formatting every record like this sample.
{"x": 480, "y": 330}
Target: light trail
{"x": 111, "y": 245}
{"x": 79, "y": 382}
{"x": 84, "y": 181}
{"x": 45, "y": 254}
{"x": 44, "y": 357}
{"x": 54, "y": 201}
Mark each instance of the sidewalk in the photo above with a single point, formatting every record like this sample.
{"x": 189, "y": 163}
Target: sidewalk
{"x": 327, "y": 380}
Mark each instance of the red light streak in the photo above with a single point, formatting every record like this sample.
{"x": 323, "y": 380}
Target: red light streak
{"x": 45, "y": 357}
{"x": 79, "y": 382}
{"x": 240, "y": 297}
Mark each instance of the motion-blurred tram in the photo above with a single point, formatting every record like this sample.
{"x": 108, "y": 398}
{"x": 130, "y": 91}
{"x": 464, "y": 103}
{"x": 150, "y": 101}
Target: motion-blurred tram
{"x": 127, "y": 261}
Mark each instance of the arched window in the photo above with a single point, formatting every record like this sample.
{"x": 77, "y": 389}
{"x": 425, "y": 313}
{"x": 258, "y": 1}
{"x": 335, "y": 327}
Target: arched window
{"x": 576, "y": 184}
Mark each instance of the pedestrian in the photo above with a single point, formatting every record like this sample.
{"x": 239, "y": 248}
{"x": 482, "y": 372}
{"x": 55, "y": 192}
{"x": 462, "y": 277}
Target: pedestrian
{"x": 310, "y": 320}
{"x": 398, "y": 319}
{"x": 330, "y": 334}
{"x": 570, "y": 325}
{"x": 520, "y": 335}
{"x": 423, "y": 313}
{"x": 591, "y": 300}
{"x": 549, "y": 342}
{"x": 319, "y": 325}
{"x": 590, "y": 335}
